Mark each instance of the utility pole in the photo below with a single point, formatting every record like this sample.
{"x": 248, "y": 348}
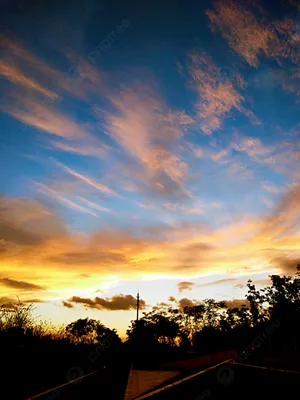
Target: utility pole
{"x": 137, "y": 306}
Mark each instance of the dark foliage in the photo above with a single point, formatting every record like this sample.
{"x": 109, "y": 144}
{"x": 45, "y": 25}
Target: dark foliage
{"x": 36, "y": 356}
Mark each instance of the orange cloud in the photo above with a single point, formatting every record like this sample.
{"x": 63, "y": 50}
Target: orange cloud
{"x": 8, "y": 301}
{"x": 34, "y": 101}
{"x": 20, "y": 285}
{"x": 252, "y": 37}
{"x": 217, "y": 94}
{"x": 16, "y": 76}
{"x": 146, "y": 129}
{"x": 67, "y": 304}
{"x": 239, "y": 26}
{"x": 15, "y": 54}
{"x": 34, "y": 236}
{"x": 25, "y": 222}
{"x": 47, "y": 118}
{"x": 182, "y": 286}
{"x": 286, "y": 45}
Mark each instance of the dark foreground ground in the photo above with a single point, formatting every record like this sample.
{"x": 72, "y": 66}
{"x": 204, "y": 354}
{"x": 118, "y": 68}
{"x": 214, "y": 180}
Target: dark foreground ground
{"x": 96, "y": 386}
{"x": 104, "y": 384}
{"x": 226, "y": 381}
{"x": 233, "y": 381}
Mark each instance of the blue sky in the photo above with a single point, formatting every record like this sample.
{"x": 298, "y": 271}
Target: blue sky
{"x": 145, "y": 142}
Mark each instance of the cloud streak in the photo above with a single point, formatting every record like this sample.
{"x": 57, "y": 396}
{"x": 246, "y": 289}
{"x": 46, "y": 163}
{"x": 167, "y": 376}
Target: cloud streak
{"x": 218, "y": 95}
{"x": 183, "y": 286}
{"x": 117, "y": 302}
{"x": 146, "y": 129}
{"x": 241, "y": 29}
{"x": 20, "y": 285}
{"x": 89, "y": 181}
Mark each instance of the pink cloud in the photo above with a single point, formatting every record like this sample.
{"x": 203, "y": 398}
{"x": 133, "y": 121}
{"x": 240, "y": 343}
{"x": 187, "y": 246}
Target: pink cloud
{"x": 217, "y": 94}
{"x": 150, "y": 134}
{"x": 16, "y": 76}
{"x": 239, "y": 26}
{"x": 253, "y": 147}
{"x": 89, "y": 181}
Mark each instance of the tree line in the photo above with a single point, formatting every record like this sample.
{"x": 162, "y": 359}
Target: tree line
{"x": 266, "y": 326}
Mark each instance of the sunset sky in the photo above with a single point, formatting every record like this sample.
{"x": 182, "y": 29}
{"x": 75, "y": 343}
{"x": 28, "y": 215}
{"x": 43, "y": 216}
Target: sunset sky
{"x": 146, "y": 146}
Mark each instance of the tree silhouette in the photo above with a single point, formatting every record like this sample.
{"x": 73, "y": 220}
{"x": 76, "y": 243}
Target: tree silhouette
{"x": 269, "y": 327}
{"x": 82, "y": 330}
{"x": 93, "y": 332}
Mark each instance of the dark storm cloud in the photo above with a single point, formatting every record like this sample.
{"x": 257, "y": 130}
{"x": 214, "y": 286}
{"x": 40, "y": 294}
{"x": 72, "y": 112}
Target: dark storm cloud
{"x": 67, "y": 304}
{"x": 117, "y": 302}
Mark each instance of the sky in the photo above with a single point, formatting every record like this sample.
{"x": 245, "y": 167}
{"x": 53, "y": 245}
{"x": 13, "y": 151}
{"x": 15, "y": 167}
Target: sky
{"x": 146, "y": 146}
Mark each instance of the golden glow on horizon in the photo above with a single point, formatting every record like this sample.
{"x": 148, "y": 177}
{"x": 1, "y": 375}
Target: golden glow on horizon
{"x": 153, "y": 198}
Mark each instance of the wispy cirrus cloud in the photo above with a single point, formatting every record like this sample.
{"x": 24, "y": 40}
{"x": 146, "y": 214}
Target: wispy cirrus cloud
{"x": 253, "y": 36}
{"x": 46, "y": 118}
{"x": 99, "y": 150}
{"x": 253, "y": 147}
{"x": 212, "y": 153}
{"x": 38, "y": 90}
{"x": 218, "y": 94}
{"x": 186, "y": 209}
{"x": 89, "y": 181}
{"x": 149, "y": 133}
{"x": 8, "y": 301}
{"x": 20, "y": 285}
{"x": 16, "y": 76}
{"x": 18, "y": 58}
{"x": 239, "y": 26}
{"x": 240, "y": 153}
{"x": 194, "y": 206}
{"x": 94, "y": 205}
{"x": 272, "y": 188}
{"x": 218, "y": 282}
{"x": 48, "y": 191}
